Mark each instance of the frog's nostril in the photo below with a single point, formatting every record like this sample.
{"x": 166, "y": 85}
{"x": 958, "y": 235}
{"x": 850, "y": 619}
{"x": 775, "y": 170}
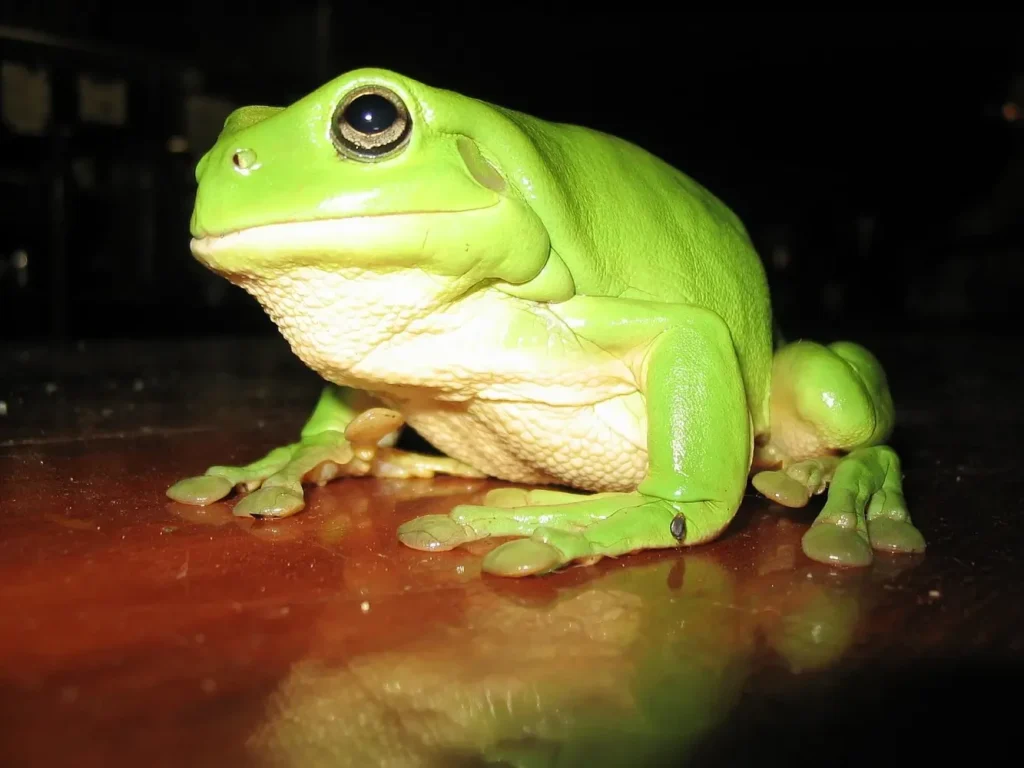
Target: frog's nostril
{"x": 244, "y": 160}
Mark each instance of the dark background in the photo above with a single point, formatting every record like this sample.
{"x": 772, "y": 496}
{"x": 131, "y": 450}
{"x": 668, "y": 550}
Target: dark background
{"x": 876, "y": 158}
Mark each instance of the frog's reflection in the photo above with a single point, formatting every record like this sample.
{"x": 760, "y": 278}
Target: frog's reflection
{"x": 630, "y": 663}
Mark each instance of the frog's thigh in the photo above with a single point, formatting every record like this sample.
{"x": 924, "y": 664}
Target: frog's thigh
{"x": 698, "y": 448}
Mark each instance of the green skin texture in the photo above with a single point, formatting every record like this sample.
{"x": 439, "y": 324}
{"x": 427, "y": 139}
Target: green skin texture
{"x": 637, "y": 259}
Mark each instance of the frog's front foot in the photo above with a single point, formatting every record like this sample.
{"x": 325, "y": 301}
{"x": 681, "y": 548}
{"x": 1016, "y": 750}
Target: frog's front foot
{"x": 559, "y": 528}
{"x": 275, "y": 482}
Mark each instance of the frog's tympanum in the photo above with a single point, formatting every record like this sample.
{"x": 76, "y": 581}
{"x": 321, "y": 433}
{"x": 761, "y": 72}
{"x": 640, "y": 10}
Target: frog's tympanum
{"x": 544, "y": 304}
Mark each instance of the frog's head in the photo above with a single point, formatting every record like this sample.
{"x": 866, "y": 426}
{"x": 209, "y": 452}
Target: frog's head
{"x": 375, "y": 173}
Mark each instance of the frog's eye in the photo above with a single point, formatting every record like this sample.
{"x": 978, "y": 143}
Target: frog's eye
{"x": 370, "y": 124}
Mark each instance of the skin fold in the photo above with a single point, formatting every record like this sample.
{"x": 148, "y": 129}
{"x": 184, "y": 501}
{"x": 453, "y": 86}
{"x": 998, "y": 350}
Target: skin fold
{"x": 545, "y": 304}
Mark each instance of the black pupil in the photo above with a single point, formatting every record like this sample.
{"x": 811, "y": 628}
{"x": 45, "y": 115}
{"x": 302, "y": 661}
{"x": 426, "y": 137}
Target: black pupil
{"x": 371, "y": 114}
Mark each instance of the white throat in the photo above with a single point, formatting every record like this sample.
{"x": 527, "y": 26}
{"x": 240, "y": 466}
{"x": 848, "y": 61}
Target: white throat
{"x": 333, "y": 318}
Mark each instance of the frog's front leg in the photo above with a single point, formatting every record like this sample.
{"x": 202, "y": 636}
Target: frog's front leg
{"x": 344, "y": 436}
{"x": 699, "y": 448}
{"x": 831, "y": 410}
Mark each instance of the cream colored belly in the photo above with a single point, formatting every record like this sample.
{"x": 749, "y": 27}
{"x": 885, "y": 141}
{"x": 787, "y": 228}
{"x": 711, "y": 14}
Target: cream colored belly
{"x": 497, "y": 382}
{"x": 597, "y": 448}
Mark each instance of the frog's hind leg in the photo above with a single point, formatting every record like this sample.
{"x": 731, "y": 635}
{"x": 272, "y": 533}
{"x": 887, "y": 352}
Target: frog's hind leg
{"x": 831, "y": 410}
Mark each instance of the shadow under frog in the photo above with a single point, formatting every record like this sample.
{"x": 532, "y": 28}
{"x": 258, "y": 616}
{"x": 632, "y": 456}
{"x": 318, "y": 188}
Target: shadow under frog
{"x": 612, "y": 665}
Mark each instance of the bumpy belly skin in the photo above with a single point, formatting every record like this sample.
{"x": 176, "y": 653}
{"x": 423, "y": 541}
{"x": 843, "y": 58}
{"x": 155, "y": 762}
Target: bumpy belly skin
{"x": 592, "y": 448}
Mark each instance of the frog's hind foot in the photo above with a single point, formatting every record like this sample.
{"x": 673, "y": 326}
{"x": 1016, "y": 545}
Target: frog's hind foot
{"x": 865, "y": 511}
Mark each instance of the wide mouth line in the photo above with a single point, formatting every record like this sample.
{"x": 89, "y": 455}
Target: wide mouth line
{"x": 298, "y": 223}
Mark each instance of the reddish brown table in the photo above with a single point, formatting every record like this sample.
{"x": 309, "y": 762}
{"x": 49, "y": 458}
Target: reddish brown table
{"x": 137, "y": 631}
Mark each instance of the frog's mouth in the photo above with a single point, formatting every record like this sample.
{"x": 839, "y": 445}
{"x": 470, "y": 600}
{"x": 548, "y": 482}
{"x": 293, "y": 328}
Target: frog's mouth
{"x": 385, "y": 241}
{"x": 446, "y": 243}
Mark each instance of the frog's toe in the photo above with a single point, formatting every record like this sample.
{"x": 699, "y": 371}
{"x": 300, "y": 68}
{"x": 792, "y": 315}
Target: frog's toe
{"x": 200, "y": 491}
{"x": 781, "y": 488}
{"x": 270, "y": 501}
{"x": 513, "y": 497}
{"x": 896, "y": 536}
{"x": 523, "y": 557}
{"x": 434, "y": 533}
{"x": 837, "y": 545}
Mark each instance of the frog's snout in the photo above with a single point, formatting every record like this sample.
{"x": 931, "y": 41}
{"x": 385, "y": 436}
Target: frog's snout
{"x": 201, "y": 166}
{"x": 242, "y": 160}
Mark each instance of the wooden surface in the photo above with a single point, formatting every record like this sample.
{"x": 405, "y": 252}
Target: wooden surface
{"x": 137, "y": 631}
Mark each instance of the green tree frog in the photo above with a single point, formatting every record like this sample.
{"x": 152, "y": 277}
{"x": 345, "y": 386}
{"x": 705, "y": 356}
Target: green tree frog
{"x": 545, "y": 304}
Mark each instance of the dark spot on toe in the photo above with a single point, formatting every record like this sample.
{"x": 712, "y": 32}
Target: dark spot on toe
{"x": 678, "y": 527}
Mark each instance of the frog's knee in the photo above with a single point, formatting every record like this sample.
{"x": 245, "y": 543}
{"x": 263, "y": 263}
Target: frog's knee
{"x": 874, "y": 385}
{"x": 827, "y": 399}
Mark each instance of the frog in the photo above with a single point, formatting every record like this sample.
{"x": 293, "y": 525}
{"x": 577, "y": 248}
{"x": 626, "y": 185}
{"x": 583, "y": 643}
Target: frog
{"x": 548, "y": 306}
